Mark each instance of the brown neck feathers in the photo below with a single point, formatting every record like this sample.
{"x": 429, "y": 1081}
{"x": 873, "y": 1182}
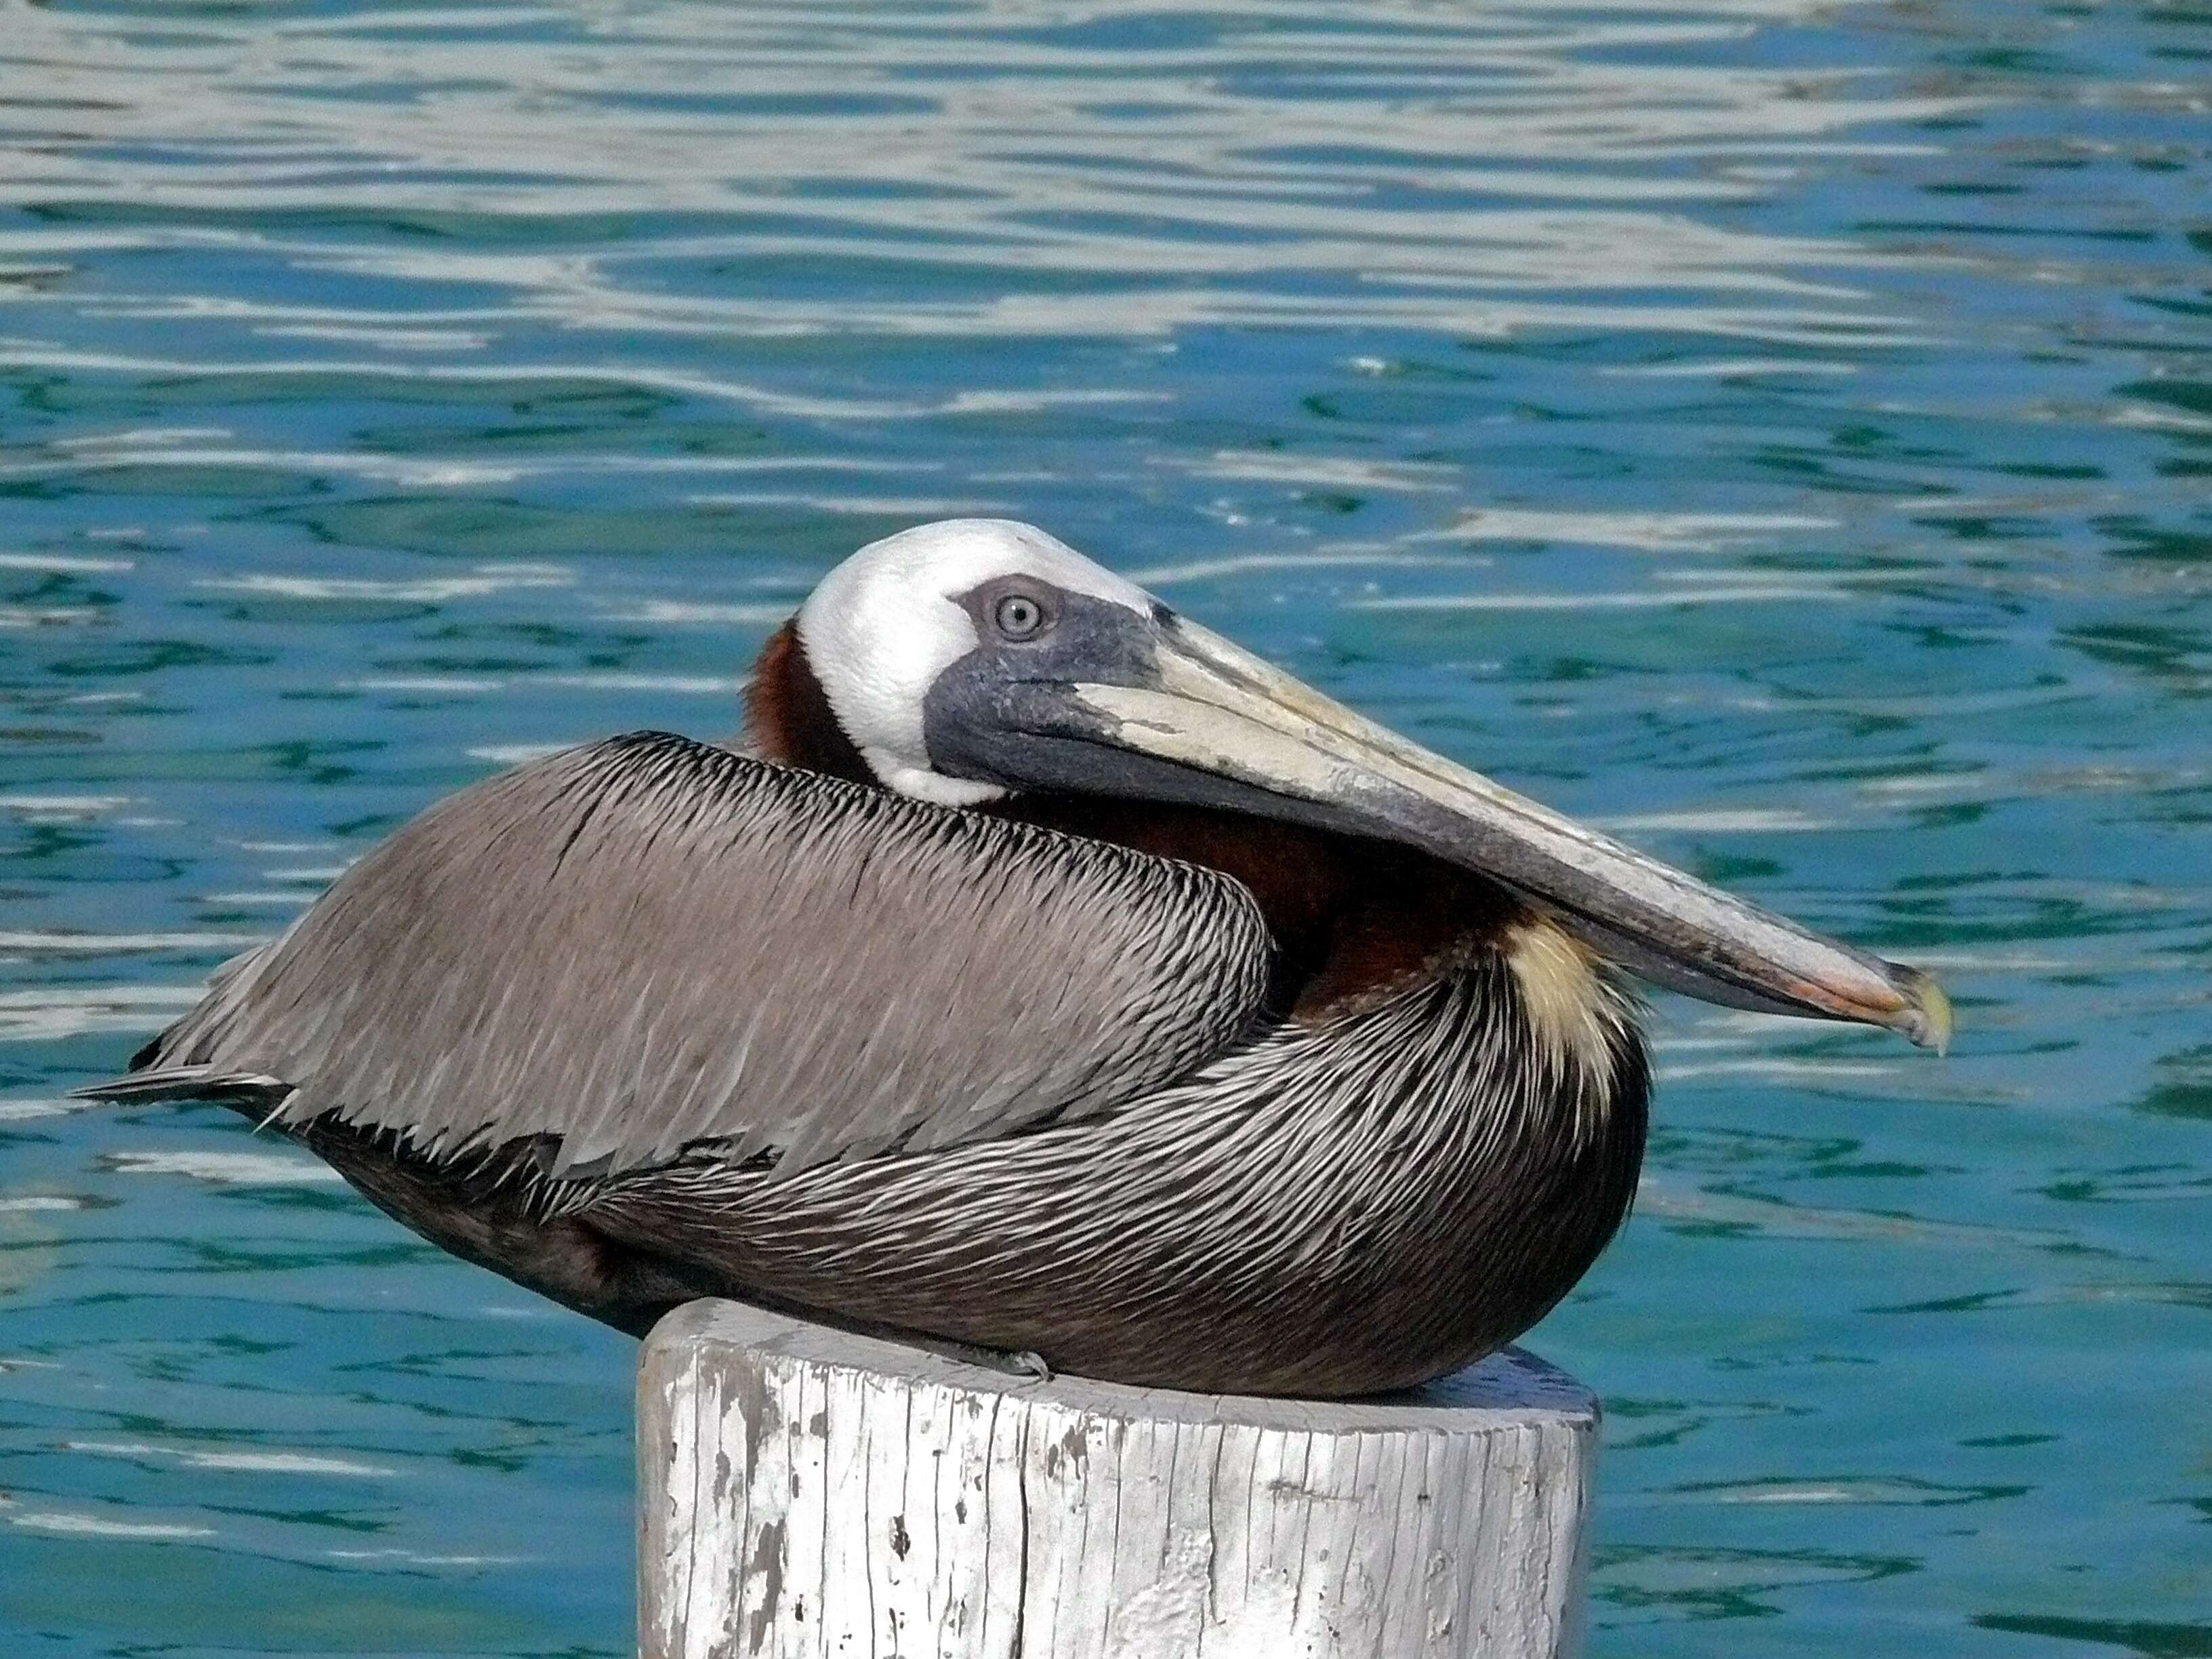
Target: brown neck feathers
{"x": 788, "y": 717}
{"x": 1352, "y": 919}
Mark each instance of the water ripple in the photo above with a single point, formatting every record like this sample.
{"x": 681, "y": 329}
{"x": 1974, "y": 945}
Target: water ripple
{"x": 1773, "y": 429}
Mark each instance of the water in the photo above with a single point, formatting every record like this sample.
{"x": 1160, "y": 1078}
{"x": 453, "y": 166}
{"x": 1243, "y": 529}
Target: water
{"x": 1779, "y": 432}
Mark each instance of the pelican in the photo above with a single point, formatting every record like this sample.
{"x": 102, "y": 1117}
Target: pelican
{"x": 1043, "y": 974}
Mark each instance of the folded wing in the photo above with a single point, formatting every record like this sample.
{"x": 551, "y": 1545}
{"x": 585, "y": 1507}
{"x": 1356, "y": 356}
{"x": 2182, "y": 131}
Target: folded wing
{"x": 630, "y": 948}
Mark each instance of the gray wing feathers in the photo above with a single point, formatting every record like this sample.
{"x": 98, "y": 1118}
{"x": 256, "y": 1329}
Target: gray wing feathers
{"x": 647, "y": 943}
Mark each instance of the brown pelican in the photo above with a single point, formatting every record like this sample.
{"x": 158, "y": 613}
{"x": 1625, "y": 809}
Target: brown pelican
{"x": 1045, "y": 973}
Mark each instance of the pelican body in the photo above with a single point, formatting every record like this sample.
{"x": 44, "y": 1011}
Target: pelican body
{"x": 1043, "y": 973}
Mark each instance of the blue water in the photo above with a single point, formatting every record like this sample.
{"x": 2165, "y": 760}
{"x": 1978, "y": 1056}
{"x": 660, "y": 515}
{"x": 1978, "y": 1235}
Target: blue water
{"x": 1782, "y": 433}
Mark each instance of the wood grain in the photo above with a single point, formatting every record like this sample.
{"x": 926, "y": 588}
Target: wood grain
{"x": 806, "y": 1492}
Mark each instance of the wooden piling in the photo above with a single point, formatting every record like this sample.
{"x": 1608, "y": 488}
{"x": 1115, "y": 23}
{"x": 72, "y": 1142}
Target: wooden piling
{"x": 807, "y": 1493}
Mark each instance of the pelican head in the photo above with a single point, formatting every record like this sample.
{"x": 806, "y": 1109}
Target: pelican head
{"x": 974, "y": 658}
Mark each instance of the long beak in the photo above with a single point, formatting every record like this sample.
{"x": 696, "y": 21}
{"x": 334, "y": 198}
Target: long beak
{"x": 1220, "y": 710}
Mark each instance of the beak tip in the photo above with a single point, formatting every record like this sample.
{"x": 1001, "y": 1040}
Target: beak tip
{"x": 1926, "y": 1018}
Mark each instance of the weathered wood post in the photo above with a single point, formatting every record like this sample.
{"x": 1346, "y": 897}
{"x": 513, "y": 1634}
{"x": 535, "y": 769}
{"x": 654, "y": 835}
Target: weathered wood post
{"x": 808, "y": 1492}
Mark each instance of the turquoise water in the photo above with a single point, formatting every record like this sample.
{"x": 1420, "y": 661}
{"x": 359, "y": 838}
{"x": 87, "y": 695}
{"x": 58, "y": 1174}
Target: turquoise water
{"x": 1781, "y": 433}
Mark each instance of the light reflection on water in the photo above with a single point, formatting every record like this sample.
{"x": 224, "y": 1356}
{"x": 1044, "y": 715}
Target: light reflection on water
{"x": 1778, "y": 432}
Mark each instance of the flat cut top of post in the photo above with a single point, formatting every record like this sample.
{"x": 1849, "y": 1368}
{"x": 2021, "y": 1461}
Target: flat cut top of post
{"x": 1512, "y": 1387}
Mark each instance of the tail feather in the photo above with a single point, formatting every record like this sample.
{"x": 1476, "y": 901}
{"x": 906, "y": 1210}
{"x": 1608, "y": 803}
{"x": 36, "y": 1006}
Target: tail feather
{"x": 186, "y": 1083}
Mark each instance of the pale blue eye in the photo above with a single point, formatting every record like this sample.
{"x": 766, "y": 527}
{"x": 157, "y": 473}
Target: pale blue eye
{"x": 1018, "y": 617}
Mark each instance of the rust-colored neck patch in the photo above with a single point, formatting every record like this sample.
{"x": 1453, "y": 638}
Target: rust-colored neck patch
{"x": 788, "y": 717}
{"x": 1353, "y": 919}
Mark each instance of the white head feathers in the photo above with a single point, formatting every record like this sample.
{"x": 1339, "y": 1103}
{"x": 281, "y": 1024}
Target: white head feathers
{"x": 883, "y": 626}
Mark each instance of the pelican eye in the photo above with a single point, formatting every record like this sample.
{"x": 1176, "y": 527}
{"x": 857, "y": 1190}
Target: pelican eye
{"x": 1018, "y": 617}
